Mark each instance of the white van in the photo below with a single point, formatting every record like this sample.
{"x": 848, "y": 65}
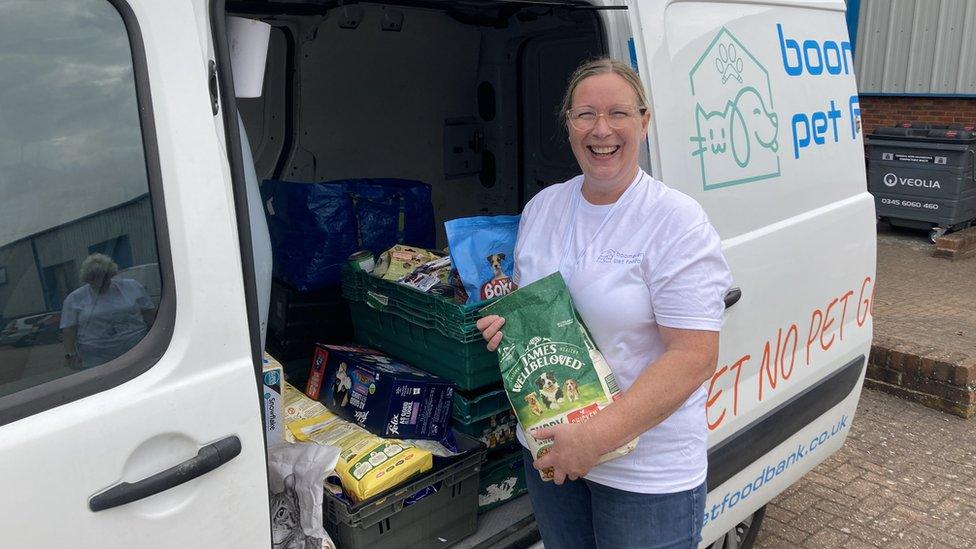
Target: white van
{"x": 121, "y": 136}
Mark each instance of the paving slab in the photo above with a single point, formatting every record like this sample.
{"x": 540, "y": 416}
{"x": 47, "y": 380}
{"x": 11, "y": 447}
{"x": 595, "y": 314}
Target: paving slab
{"x": 924, "y": 324}
{"x": 906, "y": 477}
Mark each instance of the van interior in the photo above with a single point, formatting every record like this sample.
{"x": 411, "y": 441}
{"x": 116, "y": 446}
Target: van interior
{"x": 460, "y": 95}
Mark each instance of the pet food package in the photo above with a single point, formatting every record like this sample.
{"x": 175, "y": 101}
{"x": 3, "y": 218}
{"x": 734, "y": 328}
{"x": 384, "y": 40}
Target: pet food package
{"x": 272, "y": 377}
{"x": 296, "y": 473}
{"x": 399, "y": 261}
{"x": 389, "y": 398}
{"x": 296, "y": 406}
{"x": 429, "y": 274}
{"x": 483, "y": 252}
{"x": 551, "y": 369}
{"x": 368, "y": 464}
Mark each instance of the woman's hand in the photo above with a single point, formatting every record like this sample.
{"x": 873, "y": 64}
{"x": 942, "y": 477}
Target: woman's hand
{"x": 490, "y": 328}
{"x": 572, "y": 453}
{"x": 72, "y": 361}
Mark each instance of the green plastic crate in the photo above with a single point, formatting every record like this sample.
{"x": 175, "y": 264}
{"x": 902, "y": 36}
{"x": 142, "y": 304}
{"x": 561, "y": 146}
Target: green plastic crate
{"x": 469, "y": 365}
{"x": 502, "y": 479}
{"x": 453, "y": 320}
{"x": 402, "y": 294}
{"x": 470, "y": 406}
{"x": 495, "y": 430}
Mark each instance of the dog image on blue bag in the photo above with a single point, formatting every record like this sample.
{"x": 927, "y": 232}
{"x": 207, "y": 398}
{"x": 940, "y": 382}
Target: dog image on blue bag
{"x": 483, "y": 252}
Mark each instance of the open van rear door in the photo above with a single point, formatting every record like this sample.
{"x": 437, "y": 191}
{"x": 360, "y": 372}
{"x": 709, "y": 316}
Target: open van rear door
{"x": 142, "y": 428}
{"x": 755, "y": 115}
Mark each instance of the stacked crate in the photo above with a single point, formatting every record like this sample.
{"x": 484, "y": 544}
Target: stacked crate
{"x": 440, "y": 336}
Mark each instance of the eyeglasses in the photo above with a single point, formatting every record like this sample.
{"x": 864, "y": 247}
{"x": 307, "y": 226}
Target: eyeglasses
{"x": 618, "y": 117}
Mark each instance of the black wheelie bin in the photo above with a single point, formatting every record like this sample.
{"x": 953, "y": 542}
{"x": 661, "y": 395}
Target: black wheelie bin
{"x": 923, "y": 178}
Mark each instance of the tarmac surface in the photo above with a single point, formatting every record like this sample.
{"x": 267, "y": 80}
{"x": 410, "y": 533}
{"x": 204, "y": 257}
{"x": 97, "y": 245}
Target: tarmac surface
{"x": 906, "y": 476}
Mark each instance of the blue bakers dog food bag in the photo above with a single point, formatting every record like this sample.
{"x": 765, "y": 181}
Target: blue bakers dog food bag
{"x": 483, "y": 252}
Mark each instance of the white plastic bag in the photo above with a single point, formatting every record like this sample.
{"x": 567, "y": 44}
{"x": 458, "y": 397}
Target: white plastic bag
{"x": 297, "y": 475}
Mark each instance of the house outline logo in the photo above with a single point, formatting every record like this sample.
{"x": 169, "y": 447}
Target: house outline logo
{"x": 736, "y": 135}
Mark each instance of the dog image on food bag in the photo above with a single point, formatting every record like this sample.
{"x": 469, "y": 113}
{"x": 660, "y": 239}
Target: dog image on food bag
{"x": 571, "y": 390}
{"x": 551, "y": 369}
{"x": 552, "y": 393}
{"x": 533, "y": 400}
{"x": 482, "y": 251}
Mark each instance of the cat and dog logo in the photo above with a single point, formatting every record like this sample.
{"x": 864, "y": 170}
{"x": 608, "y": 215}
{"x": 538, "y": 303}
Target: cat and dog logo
{"x": 737, "y": 129}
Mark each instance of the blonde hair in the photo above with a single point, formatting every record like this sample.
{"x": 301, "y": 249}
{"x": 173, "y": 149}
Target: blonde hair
{"x": 602, "y": 65}
{"x": 97, "y": 268}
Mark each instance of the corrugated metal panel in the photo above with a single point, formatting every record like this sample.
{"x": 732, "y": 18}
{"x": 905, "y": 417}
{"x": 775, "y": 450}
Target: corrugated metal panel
{"x": 916, "y": 46}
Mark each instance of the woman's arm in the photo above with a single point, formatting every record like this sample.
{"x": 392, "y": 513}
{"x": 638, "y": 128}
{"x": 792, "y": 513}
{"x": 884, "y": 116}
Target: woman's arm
{"x": 70, "y": 341}
{"x": 662, "y": 388}
{"x": 148, "y": 316}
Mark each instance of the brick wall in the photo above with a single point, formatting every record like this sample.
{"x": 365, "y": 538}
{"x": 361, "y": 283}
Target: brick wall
{"x": 938, "y": 379}
{"x": 887, "y": 111}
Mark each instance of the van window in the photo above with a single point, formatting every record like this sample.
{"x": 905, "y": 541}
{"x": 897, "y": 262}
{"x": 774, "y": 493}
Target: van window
{"x": 78, "y": 254}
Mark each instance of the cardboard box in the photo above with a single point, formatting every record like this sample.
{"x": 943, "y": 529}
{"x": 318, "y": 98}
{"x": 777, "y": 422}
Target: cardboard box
{"x": 273, "y": 377}
{"x": 374, "y": 391}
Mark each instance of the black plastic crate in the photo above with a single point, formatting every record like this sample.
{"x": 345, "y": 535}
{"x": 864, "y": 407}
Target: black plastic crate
{"x": 389, "y": 521}
{"x": 292, "y": 312}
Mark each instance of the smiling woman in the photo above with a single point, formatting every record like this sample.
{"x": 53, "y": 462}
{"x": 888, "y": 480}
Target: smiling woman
{"x": 645, "y": 270}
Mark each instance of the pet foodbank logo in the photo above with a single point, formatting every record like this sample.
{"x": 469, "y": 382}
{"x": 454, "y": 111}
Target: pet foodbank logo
{"x": 736, "y": 126}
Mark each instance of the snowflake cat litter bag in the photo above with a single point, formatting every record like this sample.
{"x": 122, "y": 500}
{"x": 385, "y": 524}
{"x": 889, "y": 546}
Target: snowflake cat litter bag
{"x": 552, "y": 370}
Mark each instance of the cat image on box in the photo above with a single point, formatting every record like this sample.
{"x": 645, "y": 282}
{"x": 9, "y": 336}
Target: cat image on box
{"x": 341, "y": 386}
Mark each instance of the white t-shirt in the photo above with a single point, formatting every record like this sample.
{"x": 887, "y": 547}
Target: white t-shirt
{"x": 110, "y": 323}
{"x": 650, "y": 259}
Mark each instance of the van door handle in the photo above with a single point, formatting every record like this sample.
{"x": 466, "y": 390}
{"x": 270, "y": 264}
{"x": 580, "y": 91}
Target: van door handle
{"x": 207, "y": 459}
{"x": 732, "y": 297}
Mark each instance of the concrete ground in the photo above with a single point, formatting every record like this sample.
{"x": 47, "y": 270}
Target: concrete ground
{"x": 907, "y": 475}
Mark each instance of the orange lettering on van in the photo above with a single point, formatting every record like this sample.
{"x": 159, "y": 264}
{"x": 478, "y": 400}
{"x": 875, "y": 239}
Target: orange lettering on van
{"x": 815, "y": 319}
{"x": 712, "y": 398}
{"x": 867, "y": 303}
{"x": 769, "y": 365}
{"x": 782, "y": 356}
{"x": 843, "y": 312}
{"x": 828, "y": 321}
{"x": 735, "y": 386}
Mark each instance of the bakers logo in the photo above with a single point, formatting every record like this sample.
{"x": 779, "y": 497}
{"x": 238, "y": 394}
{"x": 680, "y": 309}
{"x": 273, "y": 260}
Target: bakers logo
{"x": 497, "y": 287}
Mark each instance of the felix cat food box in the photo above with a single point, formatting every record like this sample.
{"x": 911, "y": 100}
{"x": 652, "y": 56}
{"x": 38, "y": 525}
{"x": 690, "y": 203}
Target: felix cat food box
{"x": 388, "y": 398}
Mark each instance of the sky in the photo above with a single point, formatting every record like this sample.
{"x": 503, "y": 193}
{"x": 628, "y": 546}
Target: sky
{"x": 70, "y": 141}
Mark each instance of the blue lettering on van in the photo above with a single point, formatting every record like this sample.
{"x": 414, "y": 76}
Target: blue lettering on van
{"x": 854, "y": 108}
{"x": 816, "y": 128}
{"x": 816, "y": 57}
{"x": 771, "y": 471}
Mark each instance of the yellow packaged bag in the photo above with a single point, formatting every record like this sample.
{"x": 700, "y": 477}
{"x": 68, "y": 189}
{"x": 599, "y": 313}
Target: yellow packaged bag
{"x": 296, "y": 405}
{"x": 368, "y": 464}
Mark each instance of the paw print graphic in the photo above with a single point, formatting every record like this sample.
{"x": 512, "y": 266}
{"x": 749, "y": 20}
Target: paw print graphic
{"x": 728, "y": 63}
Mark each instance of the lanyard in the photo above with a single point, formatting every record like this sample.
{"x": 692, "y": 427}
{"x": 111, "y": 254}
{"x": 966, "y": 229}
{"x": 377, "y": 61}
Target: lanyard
{"x": 565, "y": 265}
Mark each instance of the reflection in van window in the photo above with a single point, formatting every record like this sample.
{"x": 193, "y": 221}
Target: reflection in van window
{"x": 79, "y": 276}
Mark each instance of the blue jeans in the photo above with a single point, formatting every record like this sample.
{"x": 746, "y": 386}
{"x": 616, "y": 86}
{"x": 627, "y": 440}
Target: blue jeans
{"x": 583, "y": 514}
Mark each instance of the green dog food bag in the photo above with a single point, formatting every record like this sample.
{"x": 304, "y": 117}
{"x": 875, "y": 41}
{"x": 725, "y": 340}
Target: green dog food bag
{"x": 552, "y": 371}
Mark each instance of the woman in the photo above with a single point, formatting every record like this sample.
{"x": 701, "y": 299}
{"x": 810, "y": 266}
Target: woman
{"x": 105, "y": 317}
{"x": 645, "y": 270}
